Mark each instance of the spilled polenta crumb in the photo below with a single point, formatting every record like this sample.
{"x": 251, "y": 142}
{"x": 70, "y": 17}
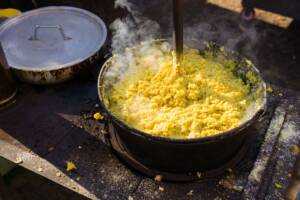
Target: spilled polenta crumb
{"x": 18, "y": 160}
{"x": 71, "y": 166}
{"x": 278, "y": 186}
{"x": 98, "y": 116}
{"x": 270, "y": 89}
{"x": 158, "y": 178}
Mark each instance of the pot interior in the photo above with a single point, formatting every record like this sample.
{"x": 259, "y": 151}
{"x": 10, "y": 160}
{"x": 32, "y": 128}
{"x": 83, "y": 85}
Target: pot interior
{"x": 114, "y": 69}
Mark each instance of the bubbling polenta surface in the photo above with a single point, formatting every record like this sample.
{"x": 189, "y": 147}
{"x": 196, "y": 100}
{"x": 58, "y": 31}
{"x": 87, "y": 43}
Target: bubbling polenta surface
{"x": 198, "y": 99}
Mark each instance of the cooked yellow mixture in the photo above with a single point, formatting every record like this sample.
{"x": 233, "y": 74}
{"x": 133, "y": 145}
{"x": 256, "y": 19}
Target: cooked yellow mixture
{"x": 198, "y": 99}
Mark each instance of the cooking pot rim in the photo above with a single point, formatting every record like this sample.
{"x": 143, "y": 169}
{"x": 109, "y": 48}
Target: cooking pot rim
{"x": 223, "y": 135}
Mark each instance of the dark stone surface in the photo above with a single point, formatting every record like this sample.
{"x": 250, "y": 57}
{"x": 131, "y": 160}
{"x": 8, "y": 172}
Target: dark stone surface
{"x": 45, "y": 117}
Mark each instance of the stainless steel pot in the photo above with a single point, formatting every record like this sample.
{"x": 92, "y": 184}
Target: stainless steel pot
{"x": 46, "y": 77}
{"x": 52, "y": 44}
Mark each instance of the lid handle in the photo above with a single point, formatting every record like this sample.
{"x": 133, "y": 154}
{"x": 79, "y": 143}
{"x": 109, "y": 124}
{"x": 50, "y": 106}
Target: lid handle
{"x": 59, "y": 27}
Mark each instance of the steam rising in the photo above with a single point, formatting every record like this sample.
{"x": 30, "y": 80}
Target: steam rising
{"x": 200, "y": 24}
{"x": 137, "y": 29}
{"x": 133, "y": 29}
{"x": 124, "y": 4}
{"x": 240, "y": 37}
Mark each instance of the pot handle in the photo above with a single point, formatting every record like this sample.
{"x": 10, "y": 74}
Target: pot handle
{"x": 59, "y": 27}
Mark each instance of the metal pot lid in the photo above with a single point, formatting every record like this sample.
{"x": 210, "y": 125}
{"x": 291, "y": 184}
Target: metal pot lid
{"x": 51, "y": 38}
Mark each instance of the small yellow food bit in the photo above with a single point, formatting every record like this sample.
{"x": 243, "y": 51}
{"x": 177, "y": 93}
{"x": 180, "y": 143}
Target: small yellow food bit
{"x": 158, "y": 178}
{"x": 270, "y": 89}
{"x": 70, "y": 166}
{"x": 9, "y": 12}
{"x": 161, "y": 188}
{"x": 190, "y": 193}
{"x": 280, "y": 94}
{"x": 58, "y": 174}
{"x": 278, "y": 186}
{"x": 98, "y": 116}
{"x": 295, "y": 149}
{"x": 18, "y": 160}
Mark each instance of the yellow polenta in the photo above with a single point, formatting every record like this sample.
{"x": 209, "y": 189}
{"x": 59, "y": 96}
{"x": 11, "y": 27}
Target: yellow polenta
{"x": 198, "y": 99}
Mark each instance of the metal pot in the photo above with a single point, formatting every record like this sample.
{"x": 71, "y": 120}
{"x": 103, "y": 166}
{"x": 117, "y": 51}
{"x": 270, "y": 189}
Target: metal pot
{"x": 46, "y": 77}
{"x": 8, "y": 87}
{"x": 187, "y": 155}
{"x": 52, "y": 44}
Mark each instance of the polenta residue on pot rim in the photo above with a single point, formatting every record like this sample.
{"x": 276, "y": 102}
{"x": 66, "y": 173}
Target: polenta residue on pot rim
{"x": 200, "y": 98}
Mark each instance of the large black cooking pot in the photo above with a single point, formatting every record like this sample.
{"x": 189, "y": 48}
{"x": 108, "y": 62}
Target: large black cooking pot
{"x": 188, "y": 155}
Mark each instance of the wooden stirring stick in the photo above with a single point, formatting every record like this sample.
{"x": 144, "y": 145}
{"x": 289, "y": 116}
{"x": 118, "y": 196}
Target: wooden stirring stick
{"x": 177, "y": 31}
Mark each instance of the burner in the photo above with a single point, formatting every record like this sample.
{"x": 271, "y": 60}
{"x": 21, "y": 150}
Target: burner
{"x": 116, "y": 144}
